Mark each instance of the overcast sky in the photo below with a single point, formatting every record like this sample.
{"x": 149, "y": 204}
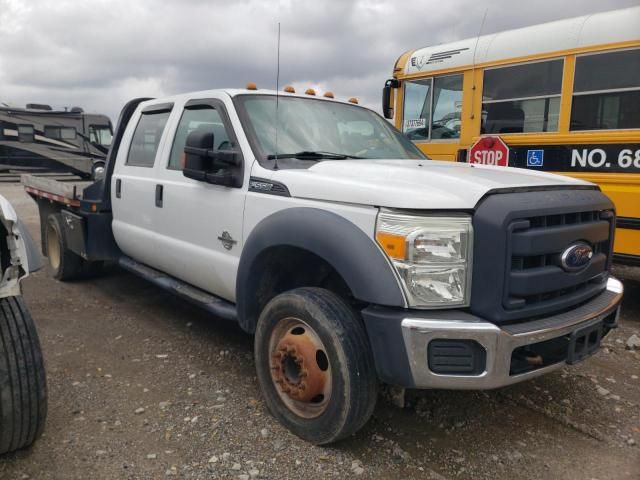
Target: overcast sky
{"x": 99, "y": 53}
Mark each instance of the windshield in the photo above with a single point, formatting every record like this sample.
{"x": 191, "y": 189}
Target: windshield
{"x": 313, "y": 129}
{"x": 100, "y": 135}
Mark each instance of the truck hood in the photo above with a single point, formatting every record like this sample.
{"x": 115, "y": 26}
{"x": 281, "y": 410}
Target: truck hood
{"x": 409, "y": 184}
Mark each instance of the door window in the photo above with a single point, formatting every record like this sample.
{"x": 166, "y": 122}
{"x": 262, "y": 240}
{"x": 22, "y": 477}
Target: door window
{"x": 447, "y": 107}
{"x": 606, "y": 91}
{"x": 522, "y": 98}
{"x": 203, "y": 117}
{"x": 432, "y": 108}
{"x": 417, "y": 108}
{"x": 146, "y": 138}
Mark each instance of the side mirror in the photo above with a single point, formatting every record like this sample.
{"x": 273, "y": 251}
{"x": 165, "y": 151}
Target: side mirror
{"x": 199, "y": 144}
{"x": 204, "y": 163}
{"x": 387, "y": 102}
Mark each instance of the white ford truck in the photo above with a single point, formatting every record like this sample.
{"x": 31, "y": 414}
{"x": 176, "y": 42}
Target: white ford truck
{"x": 353, "y": 259}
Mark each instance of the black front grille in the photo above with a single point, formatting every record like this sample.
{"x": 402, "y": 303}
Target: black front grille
{"x": 519, "y": 241}
{"x": 536, "y": 276}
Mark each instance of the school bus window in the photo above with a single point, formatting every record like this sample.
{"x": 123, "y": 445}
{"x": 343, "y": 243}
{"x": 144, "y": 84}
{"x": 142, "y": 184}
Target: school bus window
{"x": 417, "y": 107}
{"x": 432, "y": 108}
{"x": 606, "y": 92}
{"x": 522, "y": 98}
{"x": 447, "y": 101}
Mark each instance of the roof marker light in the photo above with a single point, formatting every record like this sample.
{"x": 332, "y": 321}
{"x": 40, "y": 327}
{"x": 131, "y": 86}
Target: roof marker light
{"x": 328, "y": 94}
{"x": 353, "y": 100}
{"x": 310, "y": 91}
{"x": 252, "y": 86}
{"x": 289, "y": 89}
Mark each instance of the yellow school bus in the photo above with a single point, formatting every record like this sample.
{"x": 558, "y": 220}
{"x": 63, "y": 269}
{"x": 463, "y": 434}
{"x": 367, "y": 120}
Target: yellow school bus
{"x": 563, "y": 96}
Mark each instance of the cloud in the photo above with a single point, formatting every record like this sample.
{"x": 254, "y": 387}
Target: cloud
{"x": 100, "y": 53}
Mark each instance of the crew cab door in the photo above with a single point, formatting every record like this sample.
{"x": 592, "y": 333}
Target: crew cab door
{"x": 198, "y": 224}
{"x": 133, "y": 186}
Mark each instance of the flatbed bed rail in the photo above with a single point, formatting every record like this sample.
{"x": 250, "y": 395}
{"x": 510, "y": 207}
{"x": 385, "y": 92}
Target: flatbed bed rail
{"x": 67, "y": 193}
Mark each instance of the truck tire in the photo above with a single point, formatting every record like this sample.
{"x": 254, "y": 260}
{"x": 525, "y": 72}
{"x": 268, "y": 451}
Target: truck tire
{"x": 63, "y": 263}
{"x": 314, "y": 365}
{"x": 23, "y": 389}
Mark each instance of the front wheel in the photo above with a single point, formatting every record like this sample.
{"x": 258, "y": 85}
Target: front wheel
{"x": 314, "y": 365}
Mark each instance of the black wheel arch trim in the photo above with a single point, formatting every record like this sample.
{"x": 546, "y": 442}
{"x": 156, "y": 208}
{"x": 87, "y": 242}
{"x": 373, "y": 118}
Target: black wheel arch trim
{"x": 335, "y": 239}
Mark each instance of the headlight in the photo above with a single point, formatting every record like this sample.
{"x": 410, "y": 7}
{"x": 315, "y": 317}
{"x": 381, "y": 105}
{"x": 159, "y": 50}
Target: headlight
{"x": 432, "y": 255}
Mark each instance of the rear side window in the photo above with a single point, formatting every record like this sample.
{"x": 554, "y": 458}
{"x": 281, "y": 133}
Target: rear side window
{"x": 144, "y": 144}
{"x": 606, "y": 91}
{"x": 201, "y": 118}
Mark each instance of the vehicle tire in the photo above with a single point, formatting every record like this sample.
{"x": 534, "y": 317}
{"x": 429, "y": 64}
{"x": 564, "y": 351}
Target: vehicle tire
{"x": 23, "y": 388}
{"x": 315, "y": 365}
{"x": 63, "y": 263}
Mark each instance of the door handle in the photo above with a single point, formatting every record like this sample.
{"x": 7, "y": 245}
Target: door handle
{"x": 159, "y": 191}
{"x": 118, "y": 188}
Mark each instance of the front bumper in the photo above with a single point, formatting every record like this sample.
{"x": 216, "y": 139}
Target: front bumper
{"x": 400, "y": 341}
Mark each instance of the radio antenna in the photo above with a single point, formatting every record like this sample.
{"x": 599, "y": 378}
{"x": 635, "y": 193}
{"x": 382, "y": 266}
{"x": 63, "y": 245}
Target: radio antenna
{"x": 277, "y": 96}
{"x": 473, "y": 62}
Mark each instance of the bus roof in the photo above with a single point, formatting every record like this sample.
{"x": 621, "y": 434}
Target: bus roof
{"x": 613, "y": 28}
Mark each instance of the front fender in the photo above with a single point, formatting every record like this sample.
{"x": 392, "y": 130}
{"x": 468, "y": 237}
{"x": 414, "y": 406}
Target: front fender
{"x": 19, "y": 255}
{"x": 343, "y": 245}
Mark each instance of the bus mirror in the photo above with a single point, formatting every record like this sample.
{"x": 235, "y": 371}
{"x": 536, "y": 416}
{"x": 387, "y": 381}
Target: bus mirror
{"x": 387, "y": 104}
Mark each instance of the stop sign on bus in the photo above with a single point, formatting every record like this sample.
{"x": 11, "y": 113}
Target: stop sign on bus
{"x": 489, "y": 151}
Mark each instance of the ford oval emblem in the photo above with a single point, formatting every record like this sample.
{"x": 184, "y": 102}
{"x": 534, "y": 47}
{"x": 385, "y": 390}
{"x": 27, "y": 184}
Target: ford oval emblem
{"x": 576, "y": 257}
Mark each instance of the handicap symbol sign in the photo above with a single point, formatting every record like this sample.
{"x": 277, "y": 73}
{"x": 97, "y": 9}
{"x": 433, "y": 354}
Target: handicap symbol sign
{"x": 535, "y": 158}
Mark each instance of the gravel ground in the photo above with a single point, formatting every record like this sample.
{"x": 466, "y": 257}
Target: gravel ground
{"x": 145, "y": 386}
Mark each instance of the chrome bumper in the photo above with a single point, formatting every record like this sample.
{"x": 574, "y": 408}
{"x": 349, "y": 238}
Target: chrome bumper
{"x": 499, "y": 342}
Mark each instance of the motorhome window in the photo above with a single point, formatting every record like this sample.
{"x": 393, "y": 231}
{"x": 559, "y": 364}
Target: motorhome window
{"x": 432, "y": 108}
{"x": 60, "y": 133}
{"x": 207, "y": 119}
{"x": 146, "y": 138}
{"x": 522, "y": 98}
{"x": 25, "y": 133}
{"x": 606, "y": 91}
{"x": 68, "y": 133}
{"x": 100, "y": 135}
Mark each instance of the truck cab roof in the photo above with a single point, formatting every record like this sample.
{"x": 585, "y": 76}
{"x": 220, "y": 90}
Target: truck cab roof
{"x": 234, "y": 92}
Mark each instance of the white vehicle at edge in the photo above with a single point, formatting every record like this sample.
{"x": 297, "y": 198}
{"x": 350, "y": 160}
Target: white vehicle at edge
{"x": 323, "y": 231}
{"x": 23, "y": 392}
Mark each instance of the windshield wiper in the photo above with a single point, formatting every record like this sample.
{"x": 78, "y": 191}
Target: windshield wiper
{"x": 311, "y": 155}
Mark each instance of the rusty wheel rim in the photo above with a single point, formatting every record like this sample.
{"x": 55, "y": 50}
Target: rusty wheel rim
{"x": 300, "y": 368}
